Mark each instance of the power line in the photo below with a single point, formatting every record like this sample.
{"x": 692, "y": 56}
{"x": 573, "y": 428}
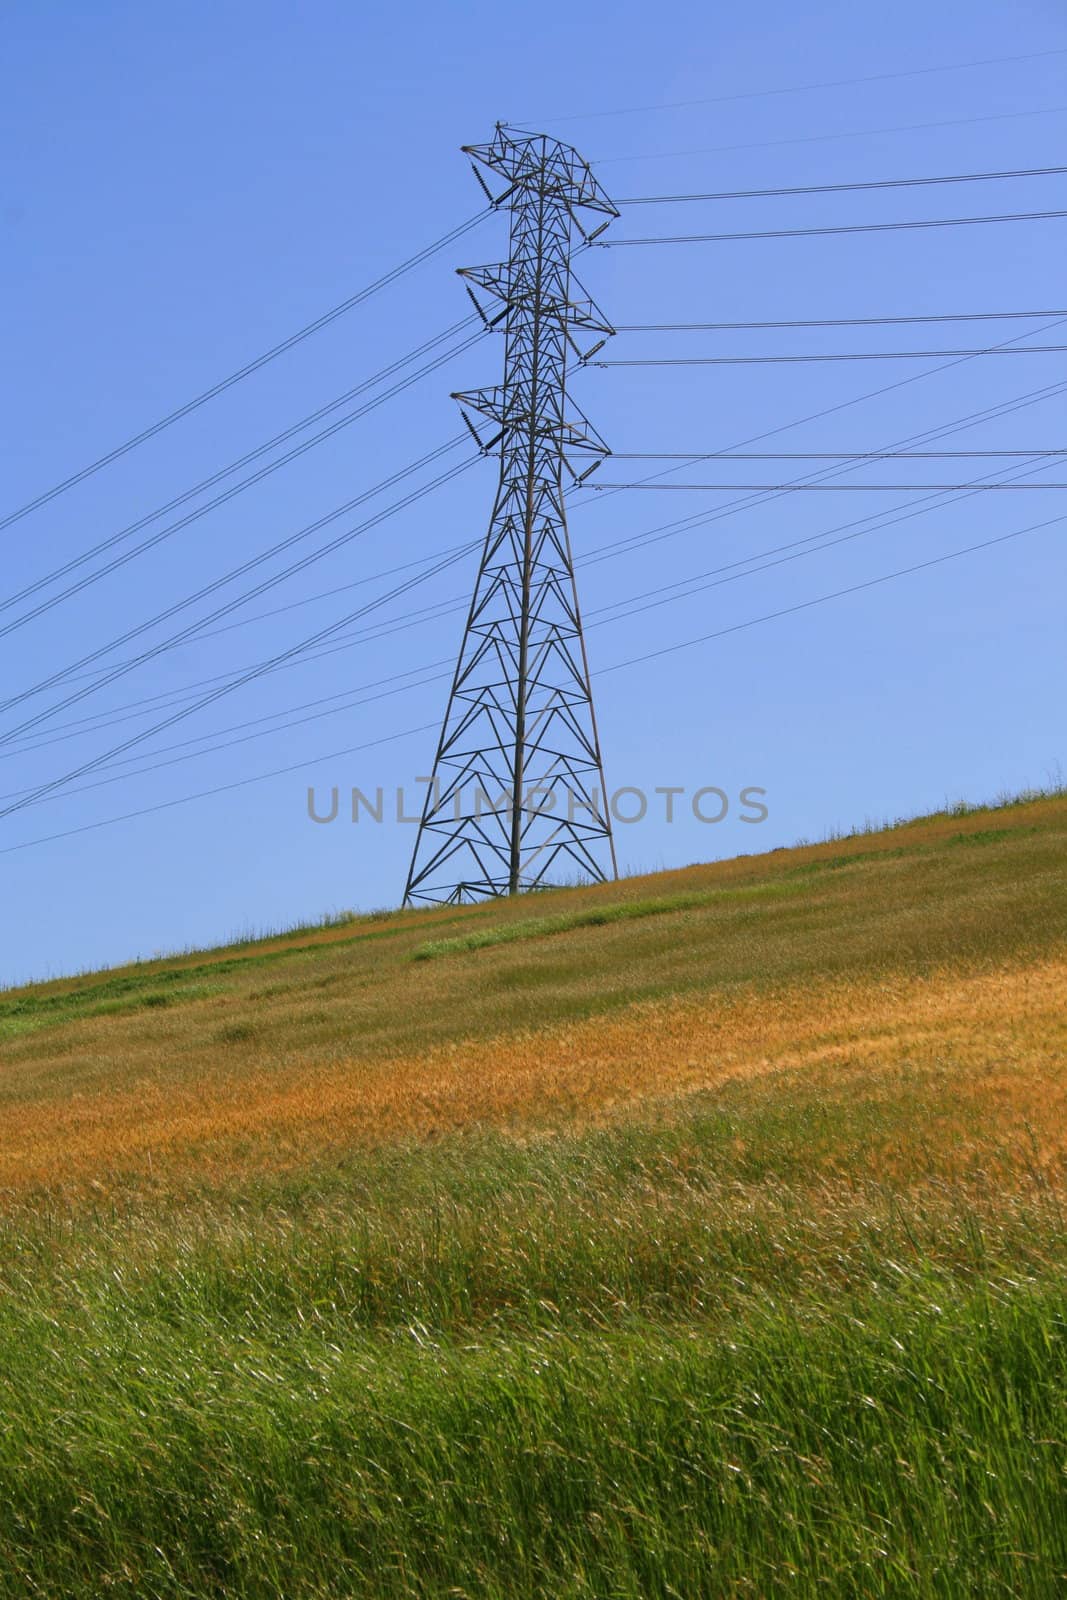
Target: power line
{"x": 840, "y": 188}
{"x": 696, "y": 519}
{"x": 832, "y": 138}
{"x": 693, "y": 520}
{"x": 794, "y": 550}
{"x": 845, "y": 355}
{"x": 830, "y": 488}
{"x": 854, "y": 227}
{"x": 691, "y": 585}
{"x": 252, "y": 366}
{"x": 371, "y": 635}
{"x": 216, "y": 694}
{"x": 829, "y": 322}
{"x": 873, "y": 394}
{"x": 222, "y": 788}
{"x": 668, "y": 530}
{"x": 252, "y": 455}
{"x": 235, "y": 572}
{"x": 364, "y": 698}
{"x": 836, "y": 594}
{"x": 1023, "y": 400}
{"x": 604, "y": 552}
{"x": 229, "y": 494}
{"x": 822, "y": 455}
{"x": 802, "y": 88}
{"x": 618, "y": 666}
{"x": 192, "y": 628}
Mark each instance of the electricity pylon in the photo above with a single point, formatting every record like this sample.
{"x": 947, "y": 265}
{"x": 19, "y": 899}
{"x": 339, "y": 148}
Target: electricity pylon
{"x": 517, "y": 799}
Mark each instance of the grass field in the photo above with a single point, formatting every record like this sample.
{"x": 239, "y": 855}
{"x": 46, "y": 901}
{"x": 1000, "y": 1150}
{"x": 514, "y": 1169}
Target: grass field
{"x": 697, "y": 1235}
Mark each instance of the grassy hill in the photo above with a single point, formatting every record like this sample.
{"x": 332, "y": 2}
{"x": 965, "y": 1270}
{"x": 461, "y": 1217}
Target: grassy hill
{"x": 700, "y": 1234}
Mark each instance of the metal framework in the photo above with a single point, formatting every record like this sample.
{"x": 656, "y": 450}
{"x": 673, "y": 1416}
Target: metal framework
{"x": 517, "y": 798}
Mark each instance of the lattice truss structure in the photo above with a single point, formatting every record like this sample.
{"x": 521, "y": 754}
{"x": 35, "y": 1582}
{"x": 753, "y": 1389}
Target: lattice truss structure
{"x": 517, "y": 798}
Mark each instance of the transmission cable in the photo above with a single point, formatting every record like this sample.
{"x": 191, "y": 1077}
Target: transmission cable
{"x": 235, "y": 489}
{"x": 613, "y": 548}
{"x": 192, "y": 628}
{"x": 1031, "y": 397}
{"x": 871, "y": 394}
{"x": 235, "y": 466}
{"x": 653, "y": 535}
{"x": 830, "y": 410}
{"x": 840, "y": 188}
{"x": 829, "y": 138}
{"x": 684, "y": 644}
{"x": 836, "y": 594}
{"x": 829, "y": 322}
{"x": 215, "y": 694}
{"x": 846, "y": 355}
{"x": 363, "y": 698}
{"x": 216, "y": 583}
{"x": 826, "y": 488}
{"x": 691, "y": 585}
{"x": 372, "y": 635}
{"x": 803, "y": 88}
{"x": 694, "y": 583}
{"x": 252, "y": 366}
{"x": 700, "y": 518}
{"x": 852, "y": 227}
{"x": 822, "y": 455}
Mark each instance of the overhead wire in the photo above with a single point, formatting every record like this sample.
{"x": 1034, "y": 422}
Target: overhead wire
{"x": 826, "y": 411}
{"x": 821, "y": 455}
{"x": 191, "y": 629}
{"x": 249, "y": 367}
{"x": 836, "y": 594}
{"x": 845, "y": 355}
{"x": 647, "y": 600}
{"x": 612, "y": 547}
{"x": 695, "y": 519}
{"x": 370, "y": 635}
{"x": 232, "y": 492}
{"x": 234, "y": 466}
{"x": 870, "y": 394}
{"x": 363, "y": 698}
{"x": 181, "y": 713}
{"x": 830, "y": 322}
{"x": 840, "y": 228}
{"x": 878, "y": 519}
{"x": 840, "y": 188}
{"x": 46, "y": 790}
{"x": 683, "y": 524}
{"x": 832, "y": 138}
{"x": 222, "y": 788}
{"x": 816, "y": 543}
{"x": 803, "y": 88}
{"x": 684, "y": 644}
{"x": 827, "y": 488}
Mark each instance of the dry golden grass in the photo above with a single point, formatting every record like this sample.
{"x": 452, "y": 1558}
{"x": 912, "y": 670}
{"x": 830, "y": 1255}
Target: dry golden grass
{"x": 934, "y": 950}
{"x": 998, "y": 1037}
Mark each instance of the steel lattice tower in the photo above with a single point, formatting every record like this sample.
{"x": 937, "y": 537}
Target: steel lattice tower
{"x": 517, "y": 799}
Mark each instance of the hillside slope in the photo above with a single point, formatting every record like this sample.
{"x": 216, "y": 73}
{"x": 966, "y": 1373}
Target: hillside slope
{"x": 700, "y": 1234}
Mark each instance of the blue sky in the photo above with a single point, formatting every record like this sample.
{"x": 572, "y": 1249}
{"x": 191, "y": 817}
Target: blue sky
{"x": 184, "y": 187}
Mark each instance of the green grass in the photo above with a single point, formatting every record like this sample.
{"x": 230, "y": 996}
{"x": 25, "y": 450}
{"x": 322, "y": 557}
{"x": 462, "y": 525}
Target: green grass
{"x": 643, "y": 1362}
{"x": 905, "y": 1448}
{"x": 115, "y": 998}
{"x": 800, "y": 1334}
{"x": 594, "y": 917}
